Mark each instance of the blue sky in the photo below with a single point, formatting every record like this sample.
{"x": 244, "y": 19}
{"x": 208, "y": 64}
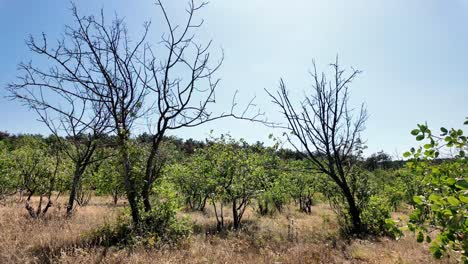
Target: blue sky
{"x": 413, "y": 54}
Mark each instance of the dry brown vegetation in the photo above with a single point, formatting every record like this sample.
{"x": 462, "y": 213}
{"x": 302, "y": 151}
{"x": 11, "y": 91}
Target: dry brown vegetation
{"x": 290, "y": 237}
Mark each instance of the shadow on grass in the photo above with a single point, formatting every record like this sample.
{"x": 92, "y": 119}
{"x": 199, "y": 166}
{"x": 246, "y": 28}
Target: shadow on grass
{"x": 52, "y": 253}
{"x": 119, "y": 235}
{"x": 210, "y": 229}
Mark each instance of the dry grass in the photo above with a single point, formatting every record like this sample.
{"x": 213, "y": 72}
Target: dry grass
{"x": 291, "y": 237}
{"x": 23, "y": 239}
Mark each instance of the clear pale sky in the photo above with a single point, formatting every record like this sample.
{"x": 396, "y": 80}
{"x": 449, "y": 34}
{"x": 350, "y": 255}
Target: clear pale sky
{"x": 413, "y": 54}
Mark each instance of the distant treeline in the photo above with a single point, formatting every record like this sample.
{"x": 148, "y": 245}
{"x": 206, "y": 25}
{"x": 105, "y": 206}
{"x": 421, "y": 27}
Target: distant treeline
{"x": 379, "y": 160}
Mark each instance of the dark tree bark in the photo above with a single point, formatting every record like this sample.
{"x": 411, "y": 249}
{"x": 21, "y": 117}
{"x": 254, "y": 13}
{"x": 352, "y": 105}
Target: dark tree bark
{"x": 235, "y": 215}
{"x": 238, "y": 211}
{"x": 82, "y": 161}
{"x": 219, "y": 214}
{"x": 115, "y": 198}
{"x": 71, "y": 198}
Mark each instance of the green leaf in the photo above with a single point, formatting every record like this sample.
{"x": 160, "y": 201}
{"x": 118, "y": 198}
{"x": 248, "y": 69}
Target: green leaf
{"x": 444, "y": 130}
{"x": 435, "y": 250}
{"x": 450, "y": 181}
{"x": 418, "y": 200}
{"x": 447, "y": 212}
{"x": 420, "y": 237}
{"x": 435, "y": 198}
{"x": 423, "y": 128}
{"x": 414, "y": 132}
{"x": 420, "y": 137}
{"x": 453, "y": 201}
{"x": 406, "y": 154}
{"x": 463, "y": 198}
{"x": 428, "y": 146}
{"x": 428, "y": 153}
{"x": 428, "y": 239}
{"x": 462, "y": 184}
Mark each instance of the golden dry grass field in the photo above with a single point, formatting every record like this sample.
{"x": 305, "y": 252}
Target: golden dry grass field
{"x": 290, "y": 237}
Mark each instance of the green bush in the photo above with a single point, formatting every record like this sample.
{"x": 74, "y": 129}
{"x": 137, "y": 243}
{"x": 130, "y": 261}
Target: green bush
{"x": 159, "y": 227}
{"x": 393, "y": 185}
{"x": 275, "y": 197}
{"x": 375, "y": 215}
{"x": 119, "y": 234}
{"x": 271, "y": 202}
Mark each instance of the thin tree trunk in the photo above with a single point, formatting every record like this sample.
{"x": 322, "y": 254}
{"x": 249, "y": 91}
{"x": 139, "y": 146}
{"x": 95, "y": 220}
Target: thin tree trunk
{"x": 49, "y": 195}
{"x": 115, "y": 196}
{"x": 128, "y": 180}
{"x": 202, "y": 208}
{"x": 235, "y": 215}
{"x": 71, "y": 198}
{"x": 20, "y": 195}
{"x": 48, "y": 205}
{"x": 149, "y": 173}
{"x": 145, "y": 194}
{"x": 28, "y": 206}
{"x": 38, "y": 211}
{"x": 130, "y": 187}
{"x": 219, "y": 216}
{"x": 353, "y": 211}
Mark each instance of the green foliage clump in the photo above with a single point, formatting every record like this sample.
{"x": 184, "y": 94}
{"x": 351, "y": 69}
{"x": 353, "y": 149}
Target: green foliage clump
{"x": 159, "y": 227}
{"x": 8, "y": 183}
{"x": 441, "y": 204}
{"x": 273, "y": 199}
{"x": 107, "y": 178}
{"x": 226, "y": 171}
{"x": 163, "y": 227}
{"x": 376, "y": 216}
{"x": 392, "y": 185}
{"x": 191, "y": 178}
{"x": 303, "y": 184}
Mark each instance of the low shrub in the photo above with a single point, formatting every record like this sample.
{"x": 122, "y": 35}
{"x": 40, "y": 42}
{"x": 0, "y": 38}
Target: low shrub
{"x": 376, "y": 218}
{"x": 159, "y": 227}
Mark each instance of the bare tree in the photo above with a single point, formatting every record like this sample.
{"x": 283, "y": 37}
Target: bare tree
{"x": 324, "y": 128}
{"x": 131, "y": 80}
{"x": 76, "y": 121}
{"x": 182, "y": 99}
{"x": 96, "y": 66}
